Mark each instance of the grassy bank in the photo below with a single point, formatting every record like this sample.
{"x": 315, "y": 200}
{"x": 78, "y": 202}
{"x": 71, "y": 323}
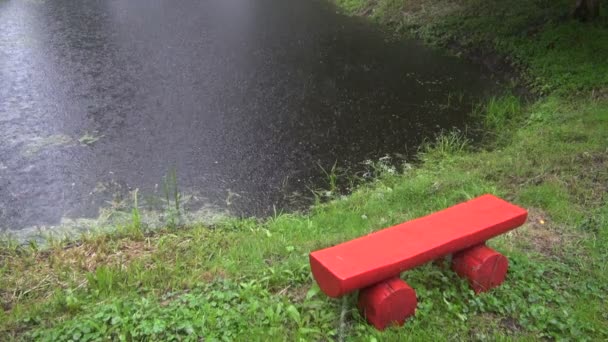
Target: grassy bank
{"x": 250, "y": 279}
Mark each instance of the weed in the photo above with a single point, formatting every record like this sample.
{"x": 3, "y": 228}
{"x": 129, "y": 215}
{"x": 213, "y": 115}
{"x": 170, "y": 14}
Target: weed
{"x": 222, "y": 310}
{"x": 502, "y": 113}
{"x": 134, "y": 229}
{"x": 173, "y": 198}
{"x": 446, "y": 143}
{"x": 135, "y": 216}
{"x": 332, "y": 177}
{"x": 9, "y": 245}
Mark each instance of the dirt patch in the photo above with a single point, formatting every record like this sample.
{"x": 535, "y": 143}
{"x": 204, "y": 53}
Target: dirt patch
{"x": 367, "y": 10}
{"x": 427, "y": 9}
{"x": 540, "y": 234}
{"x": 88, "y": 256}
{"x": 584, "y": 175}
{"x": 487, "y": 324}
{"x": 298, "y": 294}
{"x": 594, "y": 178}
{"x": 45, "y": 268}
{"x": 510, "y": 324}
{"x": 209, "y": 277}
{"x": 600, "y": 94}
{"x": 5, "y": 299}
{"x": 16, "y": 287}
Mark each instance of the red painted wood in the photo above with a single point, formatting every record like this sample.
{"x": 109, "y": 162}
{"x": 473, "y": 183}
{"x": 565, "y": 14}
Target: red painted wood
{"x": 484, "y": 267}
{"x": 384, "y": 254}
{"x": 387, "y": 303}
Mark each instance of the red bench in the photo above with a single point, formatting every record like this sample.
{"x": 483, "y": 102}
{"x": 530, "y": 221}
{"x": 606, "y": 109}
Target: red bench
{"x": 373, "y": 263}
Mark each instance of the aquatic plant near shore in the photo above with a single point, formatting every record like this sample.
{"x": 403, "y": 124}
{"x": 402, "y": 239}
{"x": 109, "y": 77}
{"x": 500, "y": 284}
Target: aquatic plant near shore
{"x": 89, "y": 139}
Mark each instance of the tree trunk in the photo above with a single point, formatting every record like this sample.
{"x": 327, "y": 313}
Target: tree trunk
{"x": 585, "y": 10}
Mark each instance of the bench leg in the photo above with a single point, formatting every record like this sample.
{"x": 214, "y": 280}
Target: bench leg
{"x": 386, "y": 303}
{"x": 484, "y": 267}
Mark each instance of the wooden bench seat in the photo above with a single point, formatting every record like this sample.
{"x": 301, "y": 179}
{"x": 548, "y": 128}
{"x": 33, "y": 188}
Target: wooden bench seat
{"x": 370, "y": 259}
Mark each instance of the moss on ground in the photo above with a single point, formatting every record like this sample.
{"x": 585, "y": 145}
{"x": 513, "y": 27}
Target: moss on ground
{"x": 250, "y": 279}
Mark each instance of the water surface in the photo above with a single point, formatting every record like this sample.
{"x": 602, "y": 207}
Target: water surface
{"x": 243, "y": 98}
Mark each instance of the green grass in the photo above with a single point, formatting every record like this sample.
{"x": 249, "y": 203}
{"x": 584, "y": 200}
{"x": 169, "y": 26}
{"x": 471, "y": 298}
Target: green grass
{"x": 249, "y": 279}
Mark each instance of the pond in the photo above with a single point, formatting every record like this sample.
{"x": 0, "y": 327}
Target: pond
{"x": 237, "y": 104}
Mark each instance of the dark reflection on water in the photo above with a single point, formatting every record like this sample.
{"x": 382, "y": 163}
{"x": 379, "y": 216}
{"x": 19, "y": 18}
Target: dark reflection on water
{"x": 244, "y": 98}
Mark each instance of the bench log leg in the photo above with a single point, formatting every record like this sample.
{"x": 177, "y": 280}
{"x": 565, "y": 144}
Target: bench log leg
{"x": 484, "y": 267}
{"x": 386, "y": 303}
